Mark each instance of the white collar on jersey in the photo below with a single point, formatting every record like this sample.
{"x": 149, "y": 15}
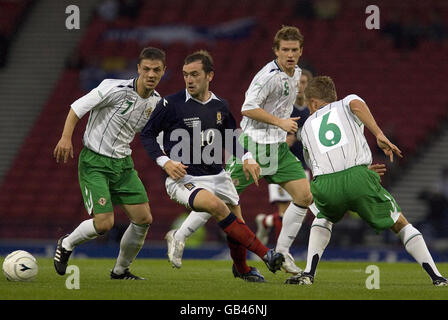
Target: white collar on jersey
{"x": 188, "y": 97}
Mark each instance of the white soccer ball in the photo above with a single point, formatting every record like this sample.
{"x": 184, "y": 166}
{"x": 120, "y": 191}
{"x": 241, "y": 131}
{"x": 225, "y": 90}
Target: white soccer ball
{"x": 20, "y": 266}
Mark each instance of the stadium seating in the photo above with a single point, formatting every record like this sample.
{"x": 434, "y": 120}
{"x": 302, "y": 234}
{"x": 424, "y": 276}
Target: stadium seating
{"x": 405, "y": 95}
{"x": 11, "y": 14}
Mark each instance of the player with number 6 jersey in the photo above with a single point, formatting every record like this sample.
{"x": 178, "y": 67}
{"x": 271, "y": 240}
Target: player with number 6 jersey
{"x": 340, "y": 143}
{"x": 334, "y": 142}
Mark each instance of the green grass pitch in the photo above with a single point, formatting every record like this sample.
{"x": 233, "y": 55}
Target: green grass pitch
{"x": 213, "y": 280}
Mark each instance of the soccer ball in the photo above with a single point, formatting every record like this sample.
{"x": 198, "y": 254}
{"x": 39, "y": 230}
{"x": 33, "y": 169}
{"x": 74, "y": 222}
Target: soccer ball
{"x": 20, "y": 266}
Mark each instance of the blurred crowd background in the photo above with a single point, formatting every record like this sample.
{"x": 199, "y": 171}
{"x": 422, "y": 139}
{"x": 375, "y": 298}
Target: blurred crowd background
{"x": 399, "y": 69}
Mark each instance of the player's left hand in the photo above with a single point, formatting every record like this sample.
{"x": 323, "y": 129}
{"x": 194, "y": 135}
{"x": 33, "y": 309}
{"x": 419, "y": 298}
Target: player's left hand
{"x": 252, "y": 168}
{"x": 379, "y": 168}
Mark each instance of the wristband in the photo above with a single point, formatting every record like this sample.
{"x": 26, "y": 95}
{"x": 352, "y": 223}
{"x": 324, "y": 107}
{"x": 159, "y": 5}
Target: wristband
{"x": 162, "y": 160}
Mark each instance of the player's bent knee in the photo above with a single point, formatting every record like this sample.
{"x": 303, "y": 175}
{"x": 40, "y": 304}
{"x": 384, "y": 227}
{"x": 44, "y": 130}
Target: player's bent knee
{"x": 308, "y": 199}
{"x": 103, "y": 222}
{"x": 217, "y": 207}
{"x": 399, "y": 224}
{"x": 147, "y": 219}
{"x": 305, "y": 200}
{"x": 208, "y": 202}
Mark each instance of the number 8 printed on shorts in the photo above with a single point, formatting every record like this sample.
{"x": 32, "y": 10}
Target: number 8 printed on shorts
{"x": 329, "y": 131}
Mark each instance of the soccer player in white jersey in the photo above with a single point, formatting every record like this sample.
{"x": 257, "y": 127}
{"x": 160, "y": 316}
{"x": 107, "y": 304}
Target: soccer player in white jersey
{"x": 266, "y": 121}
{"x": 339, "y": 156}
{"x": 278, "y": 195}
{"x": 118, "y": 109}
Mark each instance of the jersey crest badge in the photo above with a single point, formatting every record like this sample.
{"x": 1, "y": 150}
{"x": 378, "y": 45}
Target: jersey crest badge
{"x": 218, "y": 117}
{"x": 148, "y": 112}
{"x": 189, "y": 186}
{"x": 102, "y": 201}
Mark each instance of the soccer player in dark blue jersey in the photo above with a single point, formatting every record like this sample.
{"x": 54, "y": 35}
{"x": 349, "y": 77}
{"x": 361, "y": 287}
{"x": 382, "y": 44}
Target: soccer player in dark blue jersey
{"x": 196, "y": 126}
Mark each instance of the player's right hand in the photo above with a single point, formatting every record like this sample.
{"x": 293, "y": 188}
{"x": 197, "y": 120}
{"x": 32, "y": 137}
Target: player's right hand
{"x": 63, "y": 150}
{"x": 252, "y": 168}
{"x": 176, "y": 170}
{"x": 290, "y": 124}
{"x": 388, "y": 147}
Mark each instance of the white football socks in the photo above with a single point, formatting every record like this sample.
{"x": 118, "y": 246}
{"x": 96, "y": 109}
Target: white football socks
{"x": 193, "y": 222}
{"x": 320, "y": 234}
{"x": 291, "y": 224}
{"x": 415, "y": 245}
{"x": 130, "y": 245}
{"x": 84, "y": 232}
{"x": 269, "y": 220}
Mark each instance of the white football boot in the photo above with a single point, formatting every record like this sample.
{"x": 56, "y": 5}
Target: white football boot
{"x": 175, "y": 249}
{"x": 289, "y": 265}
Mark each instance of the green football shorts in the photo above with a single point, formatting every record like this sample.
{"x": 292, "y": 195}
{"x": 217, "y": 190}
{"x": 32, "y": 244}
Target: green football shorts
{"x": 106, "y": 181}
{"x": 278, "y": 164}
{"x": 356, "y": 189}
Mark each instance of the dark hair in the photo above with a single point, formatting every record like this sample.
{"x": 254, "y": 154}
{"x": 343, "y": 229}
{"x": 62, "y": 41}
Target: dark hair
{"x": 152, "y": 53}
{"x": 204, "y": 57}
{"x": 308, "y": 74}
{"x": 288, "y": 33}
{"x": 322, "y": 88}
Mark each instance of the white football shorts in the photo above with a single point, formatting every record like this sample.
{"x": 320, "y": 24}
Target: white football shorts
{"x": 278, "y": 194}
{"x": 220, "y": 185}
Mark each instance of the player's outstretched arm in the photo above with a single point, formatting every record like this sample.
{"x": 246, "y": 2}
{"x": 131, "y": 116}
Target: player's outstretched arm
{"x": 258, "y": 114}
{"x": 64, "y": 148}
{"x": 361, "y": 110}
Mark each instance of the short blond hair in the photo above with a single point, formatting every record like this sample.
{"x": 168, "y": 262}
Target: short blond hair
{"x": 321, "y": 88}
{"x": 288, "y": 33}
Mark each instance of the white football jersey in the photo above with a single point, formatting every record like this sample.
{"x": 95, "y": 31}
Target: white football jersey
{"x": 117, "y": 112}
{"x": 333, "y": 139}
{"x": 274, "y": 91}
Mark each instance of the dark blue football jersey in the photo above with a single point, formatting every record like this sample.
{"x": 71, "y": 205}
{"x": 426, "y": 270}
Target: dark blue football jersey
{"x": 193, "y": 133}
{"x": 297, "y": 148}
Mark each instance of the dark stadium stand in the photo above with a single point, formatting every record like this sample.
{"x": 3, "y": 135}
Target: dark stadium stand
{"x": 361, "y": 61}
{"x": 11, "y": 14}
